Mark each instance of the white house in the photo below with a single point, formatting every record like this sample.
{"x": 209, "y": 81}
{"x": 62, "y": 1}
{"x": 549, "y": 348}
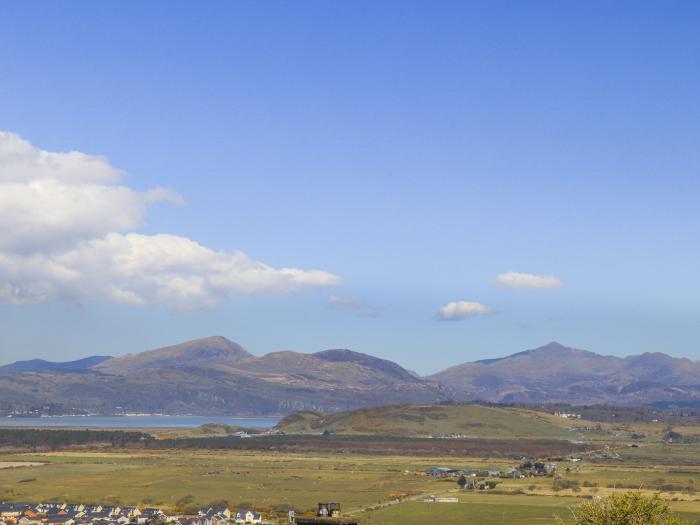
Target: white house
{"x": 247, "y": 516}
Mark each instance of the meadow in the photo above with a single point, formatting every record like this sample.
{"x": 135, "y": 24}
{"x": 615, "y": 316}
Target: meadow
{"x": 163, "y": 478}
{"x": 378, "y": 476}
{"x": 366, "y": 484}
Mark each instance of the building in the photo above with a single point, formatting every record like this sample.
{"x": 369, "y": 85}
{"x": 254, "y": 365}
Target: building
{"x": 246, "y": 516}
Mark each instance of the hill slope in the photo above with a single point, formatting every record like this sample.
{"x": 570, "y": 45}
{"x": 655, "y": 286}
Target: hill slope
{"x": 39, "y": 365}
{"x": 217, "y": 376}
{"x": 208, "y": 351}
{"x": 558, "y": 373}
{"x": 431, "y": 421}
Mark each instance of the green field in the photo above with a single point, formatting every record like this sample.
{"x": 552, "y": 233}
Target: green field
{"x": 466, "y": 420}
{"x": 369, "y": 472}
{"x": 163, "y": 477}
{"x": 484, "y": 509}
{"x": 364, "y": 484}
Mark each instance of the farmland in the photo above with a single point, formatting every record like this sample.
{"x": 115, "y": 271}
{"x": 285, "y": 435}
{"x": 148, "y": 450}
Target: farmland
{"x": 366, "y": 484}
{"x": 164, "y": 477}
{"x": 374, "y": 461}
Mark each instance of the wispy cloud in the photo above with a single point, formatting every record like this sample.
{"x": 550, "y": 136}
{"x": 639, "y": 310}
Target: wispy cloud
{"x": 340, "y": 303}
{"x": 458, "y": 310}
{"x": 66, "y": 233}
{"x": 527, "y": 280}
{"x": 363, "y": 309}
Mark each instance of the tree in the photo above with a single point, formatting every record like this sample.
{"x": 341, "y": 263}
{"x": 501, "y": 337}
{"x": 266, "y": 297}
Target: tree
{"x": 630, "y": 508}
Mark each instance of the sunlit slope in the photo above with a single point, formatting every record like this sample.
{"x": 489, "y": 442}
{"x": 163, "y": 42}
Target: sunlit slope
{"x": 464, "y": 420}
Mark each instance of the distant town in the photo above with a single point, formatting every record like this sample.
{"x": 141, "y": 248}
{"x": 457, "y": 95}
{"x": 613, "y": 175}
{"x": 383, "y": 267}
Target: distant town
{"x": 86, "y": 514}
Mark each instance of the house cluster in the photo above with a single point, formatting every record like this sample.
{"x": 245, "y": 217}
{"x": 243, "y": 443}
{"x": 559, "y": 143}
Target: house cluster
{"x": 75, "y": 514}
{"x": 474, "y": 477}
{"x": 537, "y": 468}
{"x": 225, "y": 516}
{"x": 443, "y": 472}
{"x": 79, "y": 514}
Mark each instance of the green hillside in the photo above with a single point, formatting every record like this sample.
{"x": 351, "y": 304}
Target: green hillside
{"x": 465, "y": 420}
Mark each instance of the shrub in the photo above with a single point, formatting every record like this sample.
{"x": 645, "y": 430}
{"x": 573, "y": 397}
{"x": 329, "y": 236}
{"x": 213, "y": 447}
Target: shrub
{"x": 563, "y": 484}
{"x": 629, "y": 508}
{"x": 218, "y": 503}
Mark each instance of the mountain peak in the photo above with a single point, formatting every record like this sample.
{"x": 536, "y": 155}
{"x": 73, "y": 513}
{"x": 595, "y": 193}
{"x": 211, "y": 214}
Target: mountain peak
{"x": 215, "y": 375}
{"x": 558, "y": 350}
{"x": 207, "y": 351}
{"x": 557, "y": 372}
{"x": 350, "y": 356}
{"x": 550, "y": 349}
{"x": 554, "y": 345}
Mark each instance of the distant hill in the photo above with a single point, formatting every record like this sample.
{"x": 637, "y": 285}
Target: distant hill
{"x": 213, "y": 375}
{"x": 556, "y": 373}
{"x": 465, "y": 420}
{"x": 39, "y": 365}
{"x": 216, "y": 376}
{"x": 210, "y": 351}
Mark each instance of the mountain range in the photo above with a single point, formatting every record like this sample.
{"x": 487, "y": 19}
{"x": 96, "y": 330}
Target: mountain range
{"x": 217, "y": 376}
{"x": 555, "y": 373}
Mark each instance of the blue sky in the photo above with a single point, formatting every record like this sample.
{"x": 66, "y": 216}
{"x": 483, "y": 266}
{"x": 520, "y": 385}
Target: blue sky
{"x": 413, "y": 150}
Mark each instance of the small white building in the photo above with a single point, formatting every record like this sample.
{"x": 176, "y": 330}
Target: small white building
{"x": 247, "y": 516}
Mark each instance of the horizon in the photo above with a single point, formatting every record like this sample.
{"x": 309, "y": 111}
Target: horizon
{"x": 312, "y": 352}
{"x": 429, "y": 185}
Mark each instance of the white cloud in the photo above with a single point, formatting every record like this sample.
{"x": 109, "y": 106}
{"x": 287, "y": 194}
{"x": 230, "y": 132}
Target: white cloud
{"x": 66, "y": 235}
{"x": 527, "y": 280}
{"x": 50, "y": 201}
{"x": 457, "y": 310}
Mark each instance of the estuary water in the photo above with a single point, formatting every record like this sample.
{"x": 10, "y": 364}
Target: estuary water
{"x": 136, "y": 421}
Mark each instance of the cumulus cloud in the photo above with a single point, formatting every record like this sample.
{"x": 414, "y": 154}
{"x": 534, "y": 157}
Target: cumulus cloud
{"x": 50, "y": 201}
{"x": 458, "y": 310}
{"x": 527, "y": 280}
{"x": 66, "y": 235}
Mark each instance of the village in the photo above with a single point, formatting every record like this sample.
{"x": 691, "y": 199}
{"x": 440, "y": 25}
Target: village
{"x": 82, "y": 514}
{"x": 54, "y": 513}
{"x": 327, "y": 513}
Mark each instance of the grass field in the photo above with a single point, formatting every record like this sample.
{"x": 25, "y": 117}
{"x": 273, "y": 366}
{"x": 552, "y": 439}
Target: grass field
{"x": 164, "y": 477}
{"x": 367, "y": 473}
{"x": 483, "y": 509}
{"x": 464, "y": 420}
{"x": 361, "y": 482}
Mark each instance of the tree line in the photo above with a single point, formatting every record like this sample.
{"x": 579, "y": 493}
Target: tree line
{"x": 54, "y": 439}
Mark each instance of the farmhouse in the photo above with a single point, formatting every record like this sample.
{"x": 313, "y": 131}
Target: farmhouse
{"x": 327, "y": 514}
{"x": 443, "y": 472}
